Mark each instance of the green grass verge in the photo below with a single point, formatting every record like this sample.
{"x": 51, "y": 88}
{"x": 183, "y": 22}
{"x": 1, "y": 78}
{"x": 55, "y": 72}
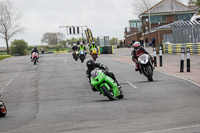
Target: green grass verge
{"x": 3, "y": 53}
{"x": 4, "y": 56}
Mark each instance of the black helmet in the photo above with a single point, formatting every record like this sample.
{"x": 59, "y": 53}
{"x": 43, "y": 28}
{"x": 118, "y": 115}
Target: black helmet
{"x": 35, "y": 48}
{"x": 90, "y": 64}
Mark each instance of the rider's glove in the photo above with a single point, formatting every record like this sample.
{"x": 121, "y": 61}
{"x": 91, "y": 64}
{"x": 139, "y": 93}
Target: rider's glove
{"x": 105, "y": 68}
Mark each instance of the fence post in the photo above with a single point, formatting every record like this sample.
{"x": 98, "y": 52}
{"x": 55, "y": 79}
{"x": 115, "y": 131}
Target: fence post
{"x": 154, "y": 54}
{"x": 182, "y": 60}
{"x": 188, "y": 59}
{"x": 160, "y": 53}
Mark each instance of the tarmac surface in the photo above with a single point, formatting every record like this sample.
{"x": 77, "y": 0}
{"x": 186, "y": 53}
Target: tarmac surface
{"x": 54, "y": 96}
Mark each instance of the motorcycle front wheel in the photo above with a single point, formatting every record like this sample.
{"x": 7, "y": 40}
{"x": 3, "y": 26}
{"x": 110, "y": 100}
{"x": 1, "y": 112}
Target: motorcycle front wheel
{"x": 35, "y": 60}
{"x": 149, "y": 72}
{"x": 108, "y": 93}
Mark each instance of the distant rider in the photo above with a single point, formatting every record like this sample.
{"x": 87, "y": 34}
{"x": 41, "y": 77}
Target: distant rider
{"x": 81, "y": 47}
{"x": 74, "y": 48}
{"x": 137, "y": 51}
{"x": 92, "y": 46}
{"x": 34, "y": 50}
{"x": 91, "y": 65}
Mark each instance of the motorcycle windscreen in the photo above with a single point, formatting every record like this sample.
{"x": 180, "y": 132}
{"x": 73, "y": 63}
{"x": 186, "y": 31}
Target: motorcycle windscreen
{"x": 94, "y": 73}
{"x": 143, "y": 59}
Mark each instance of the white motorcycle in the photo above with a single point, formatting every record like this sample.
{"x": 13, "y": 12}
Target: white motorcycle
{"x": 3, "y": 110}
{"x": 145, "y": 66}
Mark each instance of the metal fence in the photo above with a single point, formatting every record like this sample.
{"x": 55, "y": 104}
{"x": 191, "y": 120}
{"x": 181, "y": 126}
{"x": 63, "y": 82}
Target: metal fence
{"x": 183, "y": 32}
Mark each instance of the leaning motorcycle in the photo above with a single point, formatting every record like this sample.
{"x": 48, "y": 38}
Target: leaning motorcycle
{"x": 82, "y": 55}
{"x": 105, "y": 85}
{"x": 3, "y": 110}
{"x": 145, "y": 66}
{"x": 75, "y": 55}
{"x": 35, "y": 58}
{"x": 94, "y": 54}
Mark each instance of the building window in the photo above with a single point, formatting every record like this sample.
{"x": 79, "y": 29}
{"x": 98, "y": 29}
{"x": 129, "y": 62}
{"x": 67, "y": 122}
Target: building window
{"x": 155, "y": 19}
{"x": 136, "y": 24}
{"x": 133, "y": 24}
{"x": 182, "y": 17}
{"x": 139, "y": 26}
{"x": 164, "y": 19}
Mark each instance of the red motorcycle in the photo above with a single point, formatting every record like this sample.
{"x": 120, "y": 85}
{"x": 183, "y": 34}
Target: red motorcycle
{"x": 35, "y": 58}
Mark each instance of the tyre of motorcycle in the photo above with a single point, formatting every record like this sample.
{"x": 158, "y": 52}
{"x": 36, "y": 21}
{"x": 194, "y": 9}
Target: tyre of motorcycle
{"x": 94, "y": 56}
{"x": 108, "y": 93}
{"x": 148, "y": 72}
{"x": 34, "y": 61}
{"x": 75, "y": 57}
{"x": 3, "y": 110}
{"x": 82, "y": 58}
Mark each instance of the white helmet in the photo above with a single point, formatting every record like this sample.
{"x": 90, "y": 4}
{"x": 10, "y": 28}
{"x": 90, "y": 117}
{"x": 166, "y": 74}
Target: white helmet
{"x": 136, "y": 46}
{"x": 81, "y": 43}
{"x": 74, "y": 44}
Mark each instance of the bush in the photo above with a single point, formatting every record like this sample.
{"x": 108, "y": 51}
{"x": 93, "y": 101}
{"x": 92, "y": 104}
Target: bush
{"x": 57, "y": 48}
{"x": 19, "y": 47}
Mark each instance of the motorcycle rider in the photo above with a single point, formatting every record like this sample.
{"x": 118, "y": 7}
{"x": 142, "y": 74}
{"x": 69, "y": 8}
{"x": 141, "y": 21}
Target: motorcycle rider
{"x": 81, "y": 47}
{"x": 137, "y": 51}
{"x": 34, "y": 50}
{"x": 91, "y": 65}
{"x": 74, "y": 48}
{"x": 93, "y": 45}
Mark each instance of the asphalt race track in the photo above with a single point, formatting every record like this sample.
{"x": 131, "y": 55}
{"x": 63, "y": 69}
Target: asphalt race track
{"x": 54, "y": 96}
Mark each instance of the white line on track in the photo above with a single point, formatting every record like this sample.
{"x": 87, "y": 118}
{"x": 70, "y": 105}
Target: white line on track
{"x": 8, "y": 82}
{"x": 131, "y": 84}
{"x": 197, "y": 84}
{"x": 16, "y": 74}
{"x": 172, "y": 129}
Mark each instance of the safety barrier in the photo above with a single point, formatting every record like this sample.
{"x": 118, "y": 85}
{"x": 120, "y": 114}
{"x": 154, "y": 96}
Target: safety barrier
{"x": 106, "y": 50}
{"x": 176, "y": 48}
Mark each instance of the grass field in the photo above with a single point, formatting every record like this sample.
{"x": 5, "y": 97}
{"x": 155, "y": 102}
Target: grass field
{"x": 4, "y": 56}
{"x": 3, "y": 53}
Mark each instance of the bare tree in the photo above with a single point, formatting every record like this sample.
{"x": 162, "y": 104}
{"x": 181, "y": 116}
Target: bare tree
{"x": 143, "y": 5}
{"x": 9, "y": 22}
{"x": 52, "y": 38}
{"x": 192, "y": 2}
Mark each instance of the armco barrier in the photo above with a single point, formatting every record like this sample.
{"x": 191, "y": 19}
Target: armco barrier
{"x": 176, "y": 48}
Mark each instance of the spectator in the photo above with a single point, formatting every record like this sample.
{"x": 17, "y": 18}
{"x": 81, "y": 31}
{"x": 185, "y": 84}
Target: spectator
{"x": 133, "y": 41}
{"x": 153, "y": 42}
{"x": 146, "y": 42}
{"x": 141, "y": 42}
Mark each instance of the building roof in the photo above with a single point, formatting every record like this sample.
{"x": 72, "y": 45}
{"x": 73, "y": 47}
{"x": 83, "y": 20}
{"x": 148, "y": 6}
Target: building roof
{"x": 177, "y": 24}
{"x": 169, "y": 6}
{"x": 135, "y": 20}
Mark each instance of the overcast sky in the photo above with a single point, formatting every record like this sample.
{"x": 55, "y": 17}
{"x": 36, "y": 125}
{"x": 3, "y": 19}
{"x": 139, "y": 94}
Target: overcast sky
{"x": 103, "y": 17}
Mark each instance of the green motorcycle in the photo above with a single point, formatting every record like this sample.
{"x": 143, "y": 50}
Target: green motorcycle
{"x": 105, "y": 85}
